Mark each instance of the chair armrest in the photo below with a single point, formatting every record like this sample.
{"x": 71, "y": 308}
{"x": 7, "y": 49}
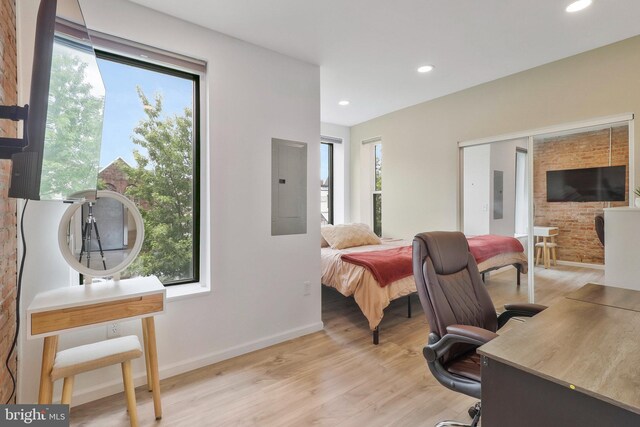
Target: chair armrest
{"x": 472, "y": 332}
{"x": 518, "y": 310}
{"x": 530, "y": 308}
{"x": 456, "y": 334}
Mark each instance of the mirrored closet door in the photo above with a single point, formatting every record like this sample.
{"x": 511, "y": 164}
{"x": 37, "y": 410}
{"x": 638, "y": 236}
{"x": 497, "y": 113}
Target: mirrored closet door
{"x": 495, "y": 208}
{"x": 549, "y": 190}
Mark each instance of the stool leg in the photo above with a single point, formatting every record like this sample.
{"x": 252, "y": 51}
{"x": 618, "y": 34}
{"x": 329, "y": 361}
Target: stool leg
{"x": 545, "y": 252}
{"x": 67, "y": 391}
{"x": 130, "y": 393}
{"x": 553, "y": 251}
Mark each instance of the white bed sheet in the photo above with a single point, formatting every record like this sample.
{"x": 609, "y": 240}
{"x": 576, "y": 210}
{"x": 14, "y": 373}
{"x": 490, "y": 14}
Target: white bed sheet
{"x": 354, "y": 280}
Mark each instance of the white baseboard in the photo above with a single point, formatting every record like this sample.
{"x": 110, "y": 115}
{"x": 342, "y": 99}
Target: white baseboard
{"x": 90, "y": 394}
{"x": 582, "y": 264}
{"x": 568, "y": 263}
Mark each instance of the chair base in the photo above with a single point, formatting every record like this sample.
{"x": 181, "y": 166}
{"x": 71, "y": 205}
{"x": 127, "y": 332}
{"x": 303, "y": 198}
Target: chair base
{"x": 474, "y": 412}
{"x": 452, "y": 424}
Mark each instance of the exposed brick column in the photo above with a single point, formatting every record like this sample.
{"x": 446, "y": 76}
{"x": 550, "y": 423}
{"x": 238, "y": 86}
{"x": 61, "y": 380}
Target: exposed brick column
{"x": 8, "y": 230}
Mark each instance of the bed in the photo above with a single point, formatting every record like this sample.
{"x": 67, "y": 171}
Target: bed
{"x": 354, "y": 280}
{"x": 493, "y": 252}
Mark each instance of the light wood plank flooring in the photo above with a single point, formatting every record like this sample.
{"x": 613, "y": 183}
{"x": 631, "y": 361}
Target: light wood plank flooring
{"x": 335, "y": 377}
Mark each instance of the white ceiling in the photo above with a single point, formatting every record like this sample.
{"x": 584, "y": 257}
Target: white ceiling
{"x": 368, "y": 50}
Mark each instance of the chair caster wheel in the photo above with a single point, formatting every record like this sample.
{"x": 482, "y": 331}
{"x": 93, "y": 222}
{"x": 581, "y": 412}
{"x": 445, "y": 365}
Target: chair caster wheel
{"x": 473, "y": 411}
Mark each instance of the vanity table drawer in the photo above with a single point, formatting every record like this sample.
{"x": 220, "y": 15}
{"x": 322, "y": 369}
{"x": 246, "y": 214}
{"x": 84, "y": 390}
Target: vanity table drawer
{"x": 68, "y": 318}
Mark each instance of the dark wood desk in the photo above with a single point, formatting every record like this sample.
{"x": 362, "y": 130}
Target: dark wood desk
{"x": 576, "y": 363}
{"x": 607, "y": 295}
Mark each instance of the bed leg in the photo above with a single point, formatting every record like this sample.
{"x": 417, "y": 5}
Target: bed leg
{"x": 376, "y": 335}
{"x": 409, "y": 306}
{"x": 518, "y": 274}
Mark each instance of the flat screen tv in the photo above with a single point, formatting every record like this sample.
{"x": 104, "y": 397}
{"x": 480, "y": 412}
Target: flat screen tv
{"x": 59, "y": 153}
{"x": 603, "y": 184}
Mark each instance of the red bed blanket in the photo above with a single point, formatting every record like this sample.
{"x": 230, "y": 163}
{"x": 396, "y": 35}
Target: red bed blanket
{"x": 484, "y": 247}
{"x": 393, "y": 264}
{"x": 387, "y": 265}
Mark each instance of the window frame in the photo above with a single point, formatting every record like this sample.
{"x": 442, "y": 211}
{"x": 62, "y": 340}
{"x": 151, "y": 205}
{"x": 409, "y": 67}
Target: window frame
{"x": 374, "y": 191}
{"x": 525, "y": 152}
{"x": 196, "y": 149}
{"x": 330, "y": 205}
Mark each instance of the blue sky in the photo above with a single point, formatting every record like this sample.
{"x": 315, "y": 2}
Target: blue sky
{"x": 123, "y": 109}
{"x": 324, "y": 161}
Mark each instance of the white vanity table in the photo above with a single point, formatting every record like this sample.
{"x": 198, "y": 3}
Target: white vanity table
{"x": 71, "y": 308}
{"x": 58, "y": 311}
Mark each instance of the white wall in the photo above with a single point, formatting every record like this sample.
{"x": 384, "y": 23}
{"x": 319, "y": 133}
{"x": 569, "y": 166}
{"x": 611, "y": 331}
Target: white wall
{"x": 480, "y": 162}
{"x": 503, "y": 158}
{"x": 256, "y": 299}
{"x": 420, "y": 142}
{"x": 477, "y": 195}
{"x": 341, "y": 182}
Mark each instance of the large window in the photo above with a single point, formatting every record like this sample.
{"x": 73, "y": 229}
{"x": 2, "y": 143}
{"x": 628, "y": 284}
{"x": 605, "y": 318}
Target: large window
{"x": 150, "y": 154}
{"x": 377, "y": 189}
{"x": 326, "y": 183}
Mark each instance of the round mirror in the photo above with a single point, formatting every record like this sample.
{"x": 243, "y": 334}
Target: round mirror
{"x": 103, "y": 237}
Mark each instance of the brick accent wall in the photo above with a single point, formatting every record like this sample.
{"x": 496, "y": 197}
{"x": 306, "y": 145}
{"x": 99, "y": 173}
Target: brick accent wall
{"x": 577, "y": 240}
{"x": 8, "y": 231}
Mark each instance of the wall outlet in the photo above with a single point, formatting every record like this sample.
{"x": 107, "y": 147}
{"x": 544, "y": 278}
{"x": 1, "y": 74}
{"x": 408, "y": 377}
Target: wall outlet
{"x": 307, "y": 288}
{"x": 113, "y": 330}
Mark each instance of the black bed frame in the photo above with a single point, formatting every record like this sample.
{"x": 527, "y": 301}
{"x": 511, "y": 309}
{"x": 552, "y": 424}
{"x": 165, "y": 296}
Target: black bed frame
{"x": 375, "y": 334}
{"x": 518, "y": 271}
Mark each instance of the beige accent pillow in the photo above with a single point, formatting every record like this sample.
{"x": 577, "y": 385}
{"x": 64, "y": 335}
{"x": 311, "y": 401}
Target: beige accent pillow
{"x": 349, "y": 235}
{"x": 323, "y": 242}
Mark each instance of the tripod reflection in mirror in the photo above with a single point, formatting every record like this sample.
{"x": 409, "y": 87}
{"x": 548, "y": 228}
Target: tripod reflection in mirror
{"x": 100, "y": 238}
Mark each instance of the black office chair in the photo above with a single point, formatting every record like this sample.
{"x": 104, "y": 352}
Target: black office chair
{"x": 460, "y": 313}
{"x": 599, "y": 223}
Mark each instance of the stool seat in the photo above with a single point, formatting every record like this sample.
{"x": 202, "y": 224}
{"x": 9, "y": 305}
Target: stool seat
{"x": 94, "y": 356}
{"x": 548, "y": 244}
{"x": 547, "y": 248}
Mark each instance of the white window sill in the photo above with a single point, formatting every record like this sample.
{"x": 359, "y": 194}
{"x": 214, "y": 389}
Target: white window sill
{"x": 189, "y": 290}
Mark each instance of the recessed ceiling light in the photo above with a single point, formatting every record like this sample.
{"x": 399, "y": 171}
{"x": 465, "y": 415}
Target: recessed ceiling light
{"x": 425, "y": 68}
{"x": 343, "y": 103}
{"x": 577, "y": 6}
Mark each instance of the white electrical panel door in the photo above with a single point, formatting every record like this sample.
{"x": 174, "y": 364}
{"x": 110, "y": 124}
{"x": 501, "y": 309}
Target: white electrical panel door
{"x": 288, "y": 187}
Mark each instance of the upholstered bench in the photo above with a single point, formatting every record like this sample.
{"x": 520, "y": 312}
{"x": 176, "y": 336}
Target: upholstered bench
{"x": 84, "y": 358}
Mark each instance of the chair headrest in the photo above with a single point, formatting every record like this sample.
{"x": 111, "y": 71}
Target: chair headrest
{"x": 448, "y": 250}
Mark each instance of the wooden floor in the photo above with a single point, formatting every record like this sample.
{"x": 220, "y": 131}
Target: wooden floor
{"x": 335, "y": 377}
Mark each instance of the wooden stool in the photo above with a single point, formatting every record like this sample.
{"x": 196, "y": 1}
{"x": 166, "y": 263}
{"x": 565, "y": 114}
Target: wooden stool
{"x": 84, "y": 358}
{"x": 548, "y": 250}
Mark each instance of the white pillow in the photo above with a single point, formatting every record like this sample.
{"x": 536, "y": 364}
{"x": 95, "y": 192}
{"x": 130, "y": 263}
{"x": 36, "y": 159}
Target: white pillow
{"x": 323, "y": 242}
{"x": 349, "y": 235}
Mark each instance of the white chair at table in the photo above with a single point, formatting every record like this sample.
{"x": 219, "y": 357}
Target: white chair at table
{"x": 77, "y": 360}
